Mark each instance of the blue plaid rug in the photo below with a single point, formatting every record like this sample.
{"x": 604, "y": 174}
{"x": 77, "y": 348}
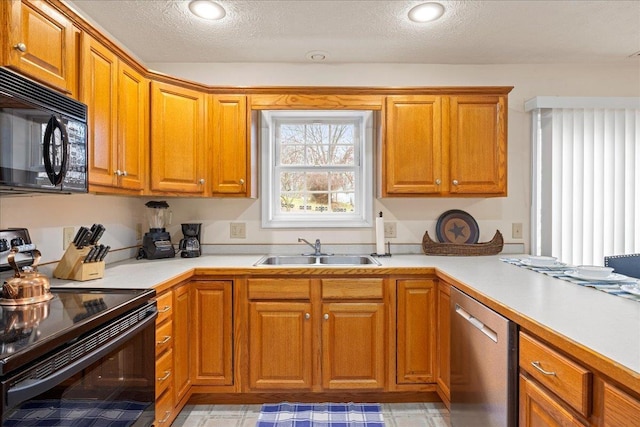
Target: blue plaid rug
{"x": 72, "y": 413}
{"x": 321, "y": 415}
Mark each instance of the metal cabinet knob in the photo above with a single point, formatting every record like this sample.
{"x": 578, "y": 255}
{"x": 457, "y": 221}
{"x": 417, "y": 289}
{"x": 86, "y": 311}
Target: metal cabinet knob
{"x": 241, "y": 181}
{"x": 124, "y": 173}
{"x": 326, "y": 316}
{"x": 167, "y": 374}
{"x": 307, "y": 316}
{"x": 118, "y": 172}
{"x": 21, "y": 47}
{"x": 438, "y": 181}
{"x": 202, "y": 181}
{"x": 455, "y": 182}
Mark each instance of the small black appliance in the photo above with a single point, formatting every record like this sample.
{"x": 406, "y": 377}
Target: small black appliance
{"x": 190, "y": 245}
{"x": 156, "y": 243}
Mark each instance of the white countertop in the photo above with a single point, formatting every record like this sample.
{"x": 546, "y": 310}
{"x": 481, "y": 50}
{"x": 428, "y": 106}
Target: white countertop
{"x": 606, "y": 324}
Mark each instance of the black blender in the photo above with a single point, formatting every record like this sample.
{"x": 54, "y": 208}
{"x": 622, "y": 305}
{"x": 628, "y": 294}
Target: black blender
{"x": 156, "y": 243}
{"x": 190, "y": 245}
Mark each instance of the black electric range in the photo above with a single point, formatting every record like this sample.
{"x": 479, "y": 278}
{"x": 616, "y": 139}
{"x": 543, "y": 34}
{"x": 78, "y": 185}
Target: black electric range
{"x": 30, "y": 331}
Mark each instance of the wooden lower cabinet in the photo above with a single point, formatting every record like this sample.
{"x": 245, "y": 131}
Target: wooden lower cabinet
{"x": 416, "y": 331}
{"x": 211, "y": 339}
{"x": 443, "y": 345}
{"x": 620, "y": 409}
{"x": 538, "y": 408}
{"x": 353, "y": 339}
{"x": 182, "y": 318}
{"x": 165, "y": 407}
{"x": 280, "y": 345}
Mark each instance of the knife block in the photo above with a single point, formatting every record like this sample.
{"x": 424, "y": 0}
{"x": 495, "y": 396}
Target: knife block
{"x": 72, "y": 267}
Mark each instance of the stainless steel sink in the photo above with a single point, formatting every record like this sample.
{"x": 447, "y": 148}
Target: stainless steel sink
{"x": 312, "y": 260}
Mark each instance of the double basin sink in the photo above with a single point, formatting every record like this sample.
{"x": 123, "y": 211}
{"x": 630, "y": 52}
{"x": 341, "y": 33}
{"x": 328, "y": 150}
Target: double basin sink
{"x": 317, "y": 260}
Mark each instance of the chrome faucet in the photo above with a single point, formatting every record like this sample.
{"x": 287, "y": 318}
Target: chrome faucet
{"x": 317, "y": 247}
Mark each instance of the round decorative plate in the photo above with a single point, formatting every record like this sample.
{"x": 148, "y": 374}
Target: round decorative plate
{"x": 456, "y": 226}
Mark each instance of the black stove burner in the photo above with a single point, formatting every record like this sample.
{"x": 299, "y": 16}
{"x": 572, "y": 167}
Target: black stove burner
{"x": 28, "y": 332}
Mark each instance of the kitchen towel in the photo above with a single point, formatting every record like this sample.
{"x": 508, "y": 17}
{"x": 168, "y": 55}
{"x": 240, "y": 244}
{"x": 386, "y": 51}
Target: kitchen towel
{"x": 321, "y": 415}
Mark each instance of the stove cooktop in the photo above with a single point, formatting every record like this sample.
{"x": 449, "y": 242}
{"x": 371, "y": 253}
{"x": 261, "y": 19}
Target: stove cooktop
{"x": 29, "y": 331}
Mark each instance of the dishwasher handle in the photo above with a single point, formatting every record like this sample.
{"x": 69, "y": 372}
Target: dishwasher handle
{"x": 477, "y": 324}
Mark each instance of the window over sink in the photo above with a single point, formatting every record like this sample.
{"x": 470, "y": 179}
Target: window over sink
{"x": 317, "y": 168}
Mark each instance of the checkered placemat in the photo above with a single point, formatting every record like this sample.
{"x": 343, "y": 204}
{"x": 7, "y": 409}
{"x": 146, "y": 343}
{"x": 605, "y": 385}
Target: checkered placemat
{"x": 613, "y": 288}
{"x": 321, "y": 415}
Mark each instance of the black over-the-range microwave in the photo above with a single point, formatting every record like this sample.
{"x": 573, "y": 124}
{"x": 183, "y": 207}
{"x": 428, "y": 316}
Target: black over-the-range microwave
{"x": 43, "y": 138}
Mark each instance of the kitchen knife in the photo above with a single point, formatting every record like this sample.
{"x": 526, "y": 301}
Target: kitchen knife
{"x": 91, "y": 255}
{"x": 103, "y": 253}
{"x": 78, "y": 236}
{"x": 97, "y": 233}
{"x": 84, "y": 240}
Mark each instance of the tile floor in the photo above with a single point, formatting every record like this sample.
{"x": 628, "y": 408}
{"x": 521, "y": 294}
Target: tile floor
{"x": 395, "y": 415}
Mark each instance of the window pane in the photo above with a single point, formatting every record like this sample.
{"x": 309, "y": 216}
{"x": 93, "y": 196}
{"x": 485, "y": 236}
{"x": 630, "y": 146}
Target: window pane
{"x": 292, "y": 181}
{"x": 342, "y": 181}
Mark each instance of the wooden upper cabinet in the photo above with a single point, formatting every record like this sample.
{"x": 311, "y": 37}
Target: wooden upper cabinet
{"x": 177, "y": 139}
{"x": 99, "y": 92}
{"x": 117, "y": 97}
{"x": 412, "y": 148}
{"x": 445, "y": 145}
{"x": 478, "y": 145}
{"x": 40, "y": 43}
{"x": 133, "y": 128}
{"x": 230, "y": 149}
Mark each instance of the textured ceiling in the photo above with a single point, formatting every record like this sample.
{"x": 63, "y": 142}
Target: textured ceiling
{"x": 363, "y": 31}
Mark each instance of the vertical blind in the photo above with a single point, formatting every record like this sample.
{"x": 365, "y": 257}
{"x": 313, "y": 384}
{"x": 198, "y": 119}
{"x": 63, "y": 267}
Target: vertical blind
{"x": 586, "y": 192}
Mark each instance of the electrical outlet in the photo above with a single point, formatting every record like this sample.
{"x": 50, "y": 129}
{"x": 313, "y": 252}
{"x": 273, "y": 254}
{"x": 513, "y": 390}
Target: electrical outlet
{"x": 516, "y": 230}
{"x": 238, "y": 230}
{"x": 138, "y": 231}
{"x": 390, "y": 229}
{"x": 67, "y": 236}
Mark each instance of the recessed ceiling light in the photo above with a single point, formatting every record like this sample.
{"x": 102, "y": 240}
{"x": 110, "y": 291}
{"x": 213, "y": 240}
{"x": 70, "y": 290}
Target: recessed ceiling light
{"x": 426, "y": 12}
{"x": 317, "y": 55}
{"x": 207, "y": 9}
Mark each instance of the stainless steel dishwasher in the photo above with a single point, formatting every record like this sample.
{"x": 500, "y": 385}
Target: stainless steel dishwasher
{"x": 484, "y": 365}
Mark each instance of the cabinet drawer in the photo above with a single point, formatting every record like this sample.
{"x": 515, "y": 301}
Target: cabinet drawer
{"x": 620, "y": 408}
{"x": 164, "y": 409}
{"x": 279, "y": 289}
{"x": 164, "y": 337}
{"x": 351, "y": 288}
{"x": 165, "y": 306}
{"x": 164, "y": 372}
{"x": 567, "y": 379}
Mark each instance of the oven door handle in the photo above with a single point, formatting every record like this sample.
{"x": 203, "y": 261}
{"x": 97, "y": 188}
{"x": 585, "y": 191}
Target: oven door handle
{"x": 29, "y": 389}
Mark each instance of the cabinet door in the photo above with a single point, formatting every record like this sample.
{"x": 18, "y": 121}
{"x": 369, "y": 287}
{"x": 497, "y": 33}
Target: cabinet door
{"x": 99, "y": 92}
{"x": 412, "y": 153}
{"x": 133, "y": 124}
{"x": 478, "y": 145}
{"x": 443, "y": 364}
{"x": 280, "y": 345}
{"x": 620, "y": 408}
{"x": 416, "y": 331}
{"x": 230, "y": 145}
{"x": 212, "y": 332}
{"x": 353, "y": 338}
{"x": 539, "y": 409}
{"x": 182, "y": 318}
{"x": 40, "y": 43}
{"x": 177, "y": 139}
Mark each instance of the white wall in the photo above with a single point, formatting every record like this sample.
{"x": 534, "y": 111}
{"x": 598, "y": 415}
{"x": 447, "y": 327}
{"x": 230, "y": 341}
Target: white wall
{"x": 46, "y": 215}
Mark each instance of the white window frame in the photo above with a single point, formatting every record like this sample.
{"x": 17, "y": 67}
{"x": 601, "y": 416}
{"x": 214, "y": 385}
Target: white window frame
{"x": 272, "y": 217}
